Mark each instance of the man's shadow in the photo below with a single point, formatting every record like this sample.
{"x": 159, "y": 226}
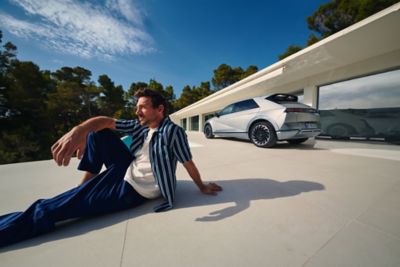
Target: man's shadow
{"x": 238, "y": 191}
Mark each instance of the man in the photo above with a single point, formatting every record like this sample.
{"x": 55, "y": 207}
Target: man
{"x": 132, "y": 176}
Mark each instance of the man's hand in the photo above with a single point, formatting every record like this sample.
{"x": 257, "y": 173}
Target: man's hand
{"x": 75, "y": 140}
{"x": 66, "y": 146}
{"x": 211, "y": 189}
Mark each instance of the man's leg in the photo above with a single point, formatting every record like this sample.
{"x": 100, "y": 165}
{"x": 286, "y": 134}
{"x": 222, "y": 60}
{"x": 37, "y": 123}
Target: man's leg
{"x": 104, "y": 193}
{"x": 102, "y": 147}
{"x": 87, "y": 176}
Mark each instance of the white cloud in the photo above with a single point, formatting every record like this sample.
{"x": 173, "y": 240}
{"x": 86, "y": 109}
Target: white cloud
{"x": 82, "y": 29}
{"x": 21, "y": 28}
{"x": 125, "y": 8}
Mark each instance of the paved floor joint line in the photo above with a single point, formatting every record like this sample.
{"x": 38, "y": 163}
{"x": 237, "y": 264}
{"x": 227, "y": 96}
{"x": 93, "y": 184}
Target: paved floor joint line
{"x": 123, "y": 245}
{"x": 328, "y": 241}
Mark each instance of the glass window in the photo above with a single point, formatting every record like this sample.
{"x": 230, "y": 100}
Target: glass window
{"x": 366, "y": 107}
{"x": 194, "y": 122}
{"x": 226, "y": 110}
{"x": 245, "y": 105}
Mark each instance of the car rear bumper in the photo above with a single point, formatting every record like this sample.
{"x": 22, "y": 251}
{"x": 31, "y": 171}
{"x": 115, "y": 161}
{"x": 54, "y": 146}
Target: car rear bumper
{"x": 296, "y": 134}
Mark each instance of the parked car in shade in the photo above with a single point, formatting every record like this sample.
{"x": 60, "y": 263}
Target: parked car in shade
{"x": 265, "y": 120}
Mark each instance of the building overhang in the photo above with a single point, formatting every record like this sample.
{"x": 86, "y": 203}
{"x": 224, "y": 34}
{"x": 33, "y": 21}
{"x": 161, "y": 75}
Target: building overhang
{"x": 372, "y": 37}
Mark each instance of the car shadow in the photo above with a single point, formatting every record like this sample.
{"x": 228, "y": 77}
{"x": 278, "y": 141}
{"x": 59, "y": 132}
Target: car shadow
{"x": 241, "y": 192}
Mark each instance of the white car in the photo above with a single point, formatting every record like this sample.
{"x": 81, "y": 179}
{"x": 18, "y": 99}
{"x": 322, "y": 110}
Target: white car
{"x": 265, "y": 120}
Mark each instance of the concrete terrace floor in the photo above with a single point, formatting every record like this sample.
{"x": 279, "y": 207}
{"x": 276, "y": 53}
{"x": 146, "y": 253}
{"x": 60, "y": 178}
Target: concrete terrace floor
{"x": 323, "y": 203}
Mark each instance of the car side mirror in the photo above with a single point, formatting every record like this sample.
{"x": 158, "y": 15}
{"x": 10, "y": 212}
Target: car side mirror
{"x": 216, "y": 114}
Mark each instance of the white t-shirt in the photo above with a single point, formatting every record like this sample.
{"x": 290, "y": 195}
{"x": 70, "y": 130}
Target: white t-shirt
{"x": 139, "y": 174}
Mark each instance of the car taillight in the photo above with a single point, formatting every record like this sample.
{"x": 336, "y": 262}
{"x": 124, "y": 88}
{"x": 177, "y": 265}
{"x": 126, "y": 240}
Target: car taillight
{"x": 301, "y": 110}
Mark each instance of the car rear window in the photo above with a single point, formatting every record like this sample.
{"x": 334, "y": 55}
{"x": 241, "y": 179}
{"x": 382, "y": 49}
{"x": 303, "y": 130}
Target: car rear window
{"x": 280, "y": 98}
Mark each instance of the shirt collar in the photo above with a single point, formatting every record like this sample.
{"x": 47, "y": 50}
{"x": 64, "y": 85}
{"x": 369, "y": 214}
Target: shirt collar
{"x": 162, "y": 124}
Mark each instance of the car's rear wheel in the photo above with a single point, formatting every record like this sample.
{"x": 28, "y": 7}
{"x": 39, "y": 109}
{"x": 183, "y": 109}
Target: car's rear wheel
{"x": 208, "y": 133}
{"x": 262, "y": 134}
{"x": 297, "y": 141}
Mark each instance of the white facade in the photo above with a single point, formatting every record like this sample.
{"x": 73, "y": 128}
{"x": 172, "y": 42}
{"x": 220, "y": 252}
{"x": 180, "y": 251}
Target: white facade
{"x": 367, "y": 47}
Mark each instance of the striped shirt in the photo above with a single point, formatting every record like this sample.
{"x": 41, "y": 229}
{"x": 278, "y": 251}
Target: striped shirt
{"x": 168, "y": 145}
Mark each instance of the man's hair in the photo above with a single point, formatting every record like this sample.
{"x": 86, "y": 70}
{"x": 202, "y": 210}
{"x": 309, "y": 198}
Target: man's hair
{"x": 157, "y": 99}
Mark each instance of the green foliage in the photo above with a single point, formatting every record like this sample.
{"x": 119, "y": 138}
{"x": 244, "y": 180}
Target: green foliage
{"x": 337, "y": 15}
{"x": 24, "y": 127}
{"x": 187, "y": 98}
{"x": 290, "y": 51}
{"x": 225, "y": 75}
{"x": 312, "y": 39}
{"x": 7, "y": 56}
{"x": 111, "y": 99}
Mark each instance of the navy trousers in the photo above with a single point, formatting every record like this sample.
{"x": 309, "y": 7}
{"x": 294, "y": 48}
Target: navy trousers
{"x": 104, "y": 193}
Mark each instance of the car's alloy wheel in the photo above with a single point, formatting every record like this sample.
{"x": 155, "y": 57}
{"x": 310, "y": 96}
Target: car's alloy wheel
{"x": 262, "y": 134}
{"x": 208, "y": 131}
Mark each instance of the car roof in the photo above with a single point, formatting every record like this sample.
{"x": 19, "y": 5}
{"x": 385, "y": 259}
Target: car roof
{"x": 275, "y": 98}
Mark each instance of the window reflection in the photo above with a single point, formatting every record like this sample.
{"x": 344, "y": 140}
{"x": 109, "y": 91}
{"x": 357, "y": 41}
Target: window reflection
{"x": 367, "y": 107}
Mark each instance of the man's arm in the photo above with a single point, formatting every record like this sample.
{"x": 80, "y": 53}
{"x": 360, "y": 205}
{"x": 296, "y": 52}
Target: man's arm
{"x": 75, "y": 140}
{"x": 210, "y": 188}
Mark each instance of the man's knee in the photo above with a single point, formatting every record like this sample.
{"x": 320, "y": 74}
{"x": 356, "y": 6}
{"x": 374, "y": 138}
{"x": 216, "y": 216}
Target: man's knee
{"x": 104, "y": 133}
{"x": 101, "y": 136}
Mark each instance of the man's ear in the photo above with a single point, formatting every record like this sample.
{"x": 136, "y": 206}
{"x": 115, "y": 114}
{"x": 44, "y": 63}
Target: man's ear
{"x": 161, "y": 109}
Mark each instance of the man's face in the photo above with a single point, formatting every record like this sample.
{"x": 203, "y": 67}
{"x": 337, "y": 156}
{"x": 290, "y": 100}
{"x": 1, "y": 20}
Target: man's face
{"x": 148, "y": 115}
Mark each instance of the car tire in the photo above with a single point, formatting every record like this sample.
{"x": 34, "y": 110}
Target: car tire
{"x": 262, "y": 134}
{"x": 208, "y": 133}
{"x": 297, "y": 141}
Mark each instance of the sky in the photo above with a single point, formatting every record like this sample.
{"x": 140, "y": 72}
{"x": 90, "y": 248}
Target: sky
{"x": 176, "y": 42}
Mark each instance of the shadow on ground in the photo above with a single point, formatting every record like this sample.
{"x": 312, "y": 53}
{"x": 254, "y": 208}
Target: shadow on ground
{"x": 308, "y": 145}
{"x": 238, "y": 191}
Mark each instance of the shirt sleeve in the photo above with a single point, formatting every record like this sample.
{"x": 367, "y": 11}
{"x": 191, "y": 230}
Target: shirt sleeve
{"x": 181, "y": 146}
{"x": 126, "y": 126}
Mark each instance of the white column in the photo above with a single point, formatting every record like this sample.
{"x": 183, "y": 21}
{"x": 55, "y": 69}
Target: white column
{"x": 201, "y": 122}
{"x": 188, "y": 124}
{"x": 311, "y": 96}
